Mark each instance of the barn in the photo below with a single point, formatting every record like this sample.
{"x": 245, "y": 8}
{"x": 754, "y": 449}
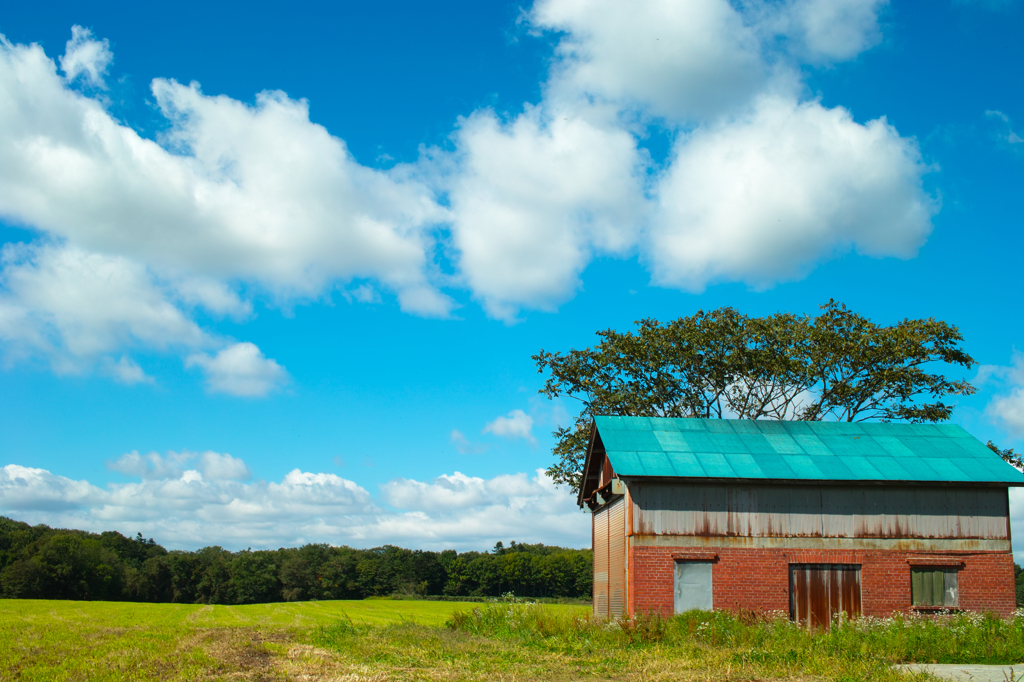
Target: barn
{"x": 809, "y": 518}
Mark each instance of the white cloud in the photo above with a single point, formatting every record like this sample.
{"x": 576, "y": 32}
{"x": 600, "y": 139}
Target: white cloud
{"x": 364, "y": 293}
{"x": 214, "y": 465}
{"x": 152, "y": 465}
{"x": 240, "y": 369}
{"x": 759, "y": 187}
{"x": 37, "y": 490}
{"x": 468, "y": 512}
{"x": 763, "y": 197}
{"x": 86, "y": 57}
{"x": 126, "y": 371}
{"x": 1007, "y": 134}
{"x": 464, "y": 446}
{"x": 185, "y": 508}
{"x": 533, "y": 200}
{"x": 138, "y": 233}
{"x": 517, "y": 424}
{"x": 1007, "y": 407}
{"x": 209, "y": 465}
{"x": 73, "y": 305}
{"x": 834, "y": 30}
{"x": 677, "y": 59}
{"x": 257, "y": 198}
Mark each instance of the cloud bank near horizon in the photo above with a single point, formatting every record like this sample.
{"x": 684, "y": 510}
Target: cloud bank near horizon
{"x": 175, "y": 504}
{"x": 184, "y": 496}
{"x": 236, "y": 201}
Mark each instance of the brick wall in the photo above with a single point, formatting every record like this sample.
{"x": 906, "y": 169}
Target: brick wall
{"x": 758, "y": 579}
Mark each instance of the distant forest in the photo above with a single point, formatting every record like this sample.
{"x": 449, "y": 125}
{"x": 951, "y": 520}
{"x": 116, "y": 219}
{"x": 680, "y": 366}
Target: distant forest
{"x": 39, "y": 562}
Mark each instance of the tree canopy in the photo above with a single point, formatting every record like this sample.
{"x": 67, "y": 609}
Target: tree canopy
{"x": 38, "y": 562}
{"x": 837, "y": 365}
{"x": 1008, "y": 455}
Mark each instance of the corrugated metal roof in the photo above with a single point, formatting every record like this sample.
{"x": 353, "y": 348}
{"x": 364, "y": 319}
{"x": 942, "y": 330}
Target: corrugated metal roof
{"x": 796, "y": 450}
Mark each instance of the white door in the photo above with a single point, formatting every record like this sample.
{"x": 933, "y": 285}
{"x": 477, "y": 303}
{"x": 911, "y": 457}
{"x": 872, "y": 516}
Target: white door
{"x": 693, "y": 586}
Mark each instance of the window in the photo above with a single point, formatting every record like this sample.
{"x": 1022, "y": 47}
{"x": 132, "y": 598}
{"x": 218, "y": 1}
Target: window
{"x": 934, "y": 586}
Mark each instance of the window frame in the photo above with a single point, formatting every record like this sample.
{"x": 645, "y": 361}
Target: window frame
{"x": 950, "y": 591}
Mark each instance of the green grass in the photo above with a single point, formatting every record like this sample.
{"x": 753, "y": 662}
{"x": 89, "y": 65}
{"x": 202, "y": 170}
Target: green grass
{"x": 450, "y": 641}
{"x": 290, "y": 614}
{"x": 66, "y": 640}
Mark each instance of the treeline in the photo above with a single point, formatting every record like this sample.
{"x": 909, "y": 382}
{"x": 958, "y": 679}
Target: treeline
{"x": 39, "y": 562}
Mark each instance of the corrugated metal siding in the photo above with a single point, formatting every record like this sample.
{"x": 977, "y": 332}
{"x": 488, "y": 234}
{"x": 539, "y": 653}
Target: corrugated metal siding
{"x": 600, "y": 530}
{"x": 818, "y": 511}
{"x": 617, "y": 559}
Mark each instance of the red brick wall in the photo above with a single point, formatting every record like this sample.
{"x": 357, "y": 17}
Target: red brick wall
{"x": 758, "y": 579}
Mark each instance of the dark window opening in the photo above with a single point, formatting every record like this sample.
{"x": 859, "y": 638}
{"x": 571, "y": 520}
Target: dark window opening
{"x": 934, "y": 586}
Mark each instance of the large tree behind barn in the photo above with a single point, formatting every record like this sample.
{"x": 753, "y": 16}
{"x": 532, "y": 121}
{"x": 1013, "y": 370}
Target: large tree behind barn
{"x": 837, "y": 366}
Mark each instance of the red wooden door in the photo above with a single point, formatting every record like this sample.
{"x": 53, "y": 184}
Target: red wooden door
{"x": 819, "y": 592}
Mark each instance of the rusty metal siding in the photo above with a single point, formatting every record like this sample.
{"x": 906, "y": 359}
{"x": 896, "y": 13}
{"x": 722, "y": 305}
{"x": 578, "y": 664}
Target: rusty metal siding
{"x": 818, "y": 511}
{"x": 600, "y": 544}
{"x": 617, "y": 559}
{"x": 819, "y": 592}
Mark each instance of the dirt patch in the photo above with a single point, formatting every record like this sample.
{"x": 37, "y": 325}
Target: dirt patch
{"x": 242, "y": 653}
{"x": 257, "y": 655}
{"x": 195, "y": 615}
{"x": 305, "y": 663}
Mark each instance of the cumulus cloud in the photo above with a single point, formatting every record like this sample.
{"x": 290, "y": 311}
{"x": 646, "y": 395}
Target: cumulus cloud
{"x": 86, "y": 58}
{"x": 833, "y": 30}
{"x": 1007, "y": 407}
{"x": 211, "y": 465}
{"x": 254, "y": 197}
{"x": 517, "y": 424}
{"x": 141, "y": 231}
{"x": 152, "y": 465}
{"x": 186, "y": 508}
{"x": 240, "y": 369}
{"x": 534, "y": 199}
{"x": 256, "y": 192}
{"x": 28, "y": 489}
{"x": 217, "y": 466}
{"x": 465, "y": 511}
{"x": 759, "y": 188}
{"x": 763, "y": 197}
{"x": 73, "y": 304}
{"x": 676, "y": 59}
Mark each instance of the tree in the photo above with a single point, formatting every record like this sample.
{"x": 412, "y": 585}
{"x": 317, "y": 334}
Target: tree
{"x": 836, "y": 366}
{"x": 1008, "y": 455}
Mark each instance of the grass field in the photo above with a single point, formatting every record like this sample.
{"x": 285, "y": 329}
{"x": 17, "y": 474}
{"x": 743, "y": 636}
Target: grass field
{"x": 65, "y": 640}
{"x": 411, "y": 640}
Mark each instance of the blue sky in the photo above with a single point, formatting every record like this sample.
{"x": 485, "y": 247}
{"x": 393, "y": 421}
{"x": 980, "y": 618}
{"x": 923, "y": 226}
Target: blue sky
{"x": 272, "y": 278}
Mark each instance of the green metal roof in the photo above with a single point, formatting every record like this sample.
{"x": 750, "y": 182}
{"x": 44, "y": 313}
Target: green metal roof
{"x": 797, "y": 450}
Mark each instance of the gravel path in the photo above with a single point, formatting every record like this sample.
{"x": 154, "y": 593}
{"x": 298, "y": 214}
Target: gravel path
{"x": 970, "y": 673}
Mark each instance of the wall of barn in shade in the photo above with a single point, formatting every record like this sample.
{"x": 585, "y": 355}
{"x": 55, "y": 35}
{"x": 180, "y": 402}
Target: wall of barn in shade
{"x": 754, "y": 533}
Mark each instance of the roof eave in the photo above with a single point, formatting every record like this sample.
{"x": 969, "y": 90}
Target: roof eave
{"x": 586, "y": 464}
{"x": 820, "y": 481}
